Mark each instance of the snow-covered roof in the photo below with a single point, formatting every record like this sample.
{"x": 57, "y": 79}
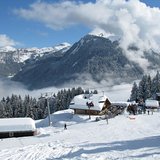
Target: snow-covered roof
{"x": 17, "y": 124}
{"x": 151, "y": 103}
{"x": 79, "y": 102}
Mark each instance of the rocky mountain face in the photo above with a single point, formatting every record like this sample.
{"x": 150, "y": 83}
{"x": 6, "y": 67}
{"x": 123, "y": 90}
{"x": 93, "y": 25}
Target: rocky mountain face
{"x": 92, "y": 57}
{"x": 12, "y": 60}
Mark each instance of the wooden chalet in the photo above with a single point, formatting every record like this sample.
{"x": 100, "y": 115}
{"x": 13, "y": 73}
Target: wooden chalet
{"x": 17, "y": 127}
{"x": 87, "y": 104}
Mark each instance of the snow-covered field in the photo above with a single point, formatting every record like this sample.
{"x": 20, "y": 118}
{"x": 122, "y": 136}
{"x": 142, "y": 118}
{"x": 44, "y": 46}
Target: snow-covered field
{"x": 122, "y": 139}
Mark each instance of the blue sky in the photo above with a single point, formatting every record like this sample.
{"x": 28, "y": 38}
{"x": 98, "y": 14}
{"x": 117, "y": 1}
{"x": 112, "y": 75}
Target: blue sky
{"x": 38, "y": 31}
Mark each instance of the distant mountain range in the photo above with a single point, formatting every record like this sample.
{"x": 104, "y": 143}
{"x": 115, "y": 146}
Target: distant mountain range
{"x": 12, "y": 60}
{"x": 92, "y": 57}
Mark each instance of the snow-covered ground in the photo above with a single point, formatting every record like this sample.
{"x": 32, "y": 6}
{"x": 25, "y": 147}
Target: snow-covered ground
{"x": 124, "y": 138}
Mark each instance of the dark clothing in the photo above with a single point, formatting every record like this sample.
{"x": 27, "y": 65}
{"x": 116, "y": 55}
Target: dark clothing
{"x": 65, "y": 126}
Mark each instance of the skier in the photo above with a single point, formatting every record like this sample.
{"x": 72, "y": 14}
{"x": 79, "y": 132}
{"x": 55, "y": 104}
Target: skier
{"x": 65, "y": 126}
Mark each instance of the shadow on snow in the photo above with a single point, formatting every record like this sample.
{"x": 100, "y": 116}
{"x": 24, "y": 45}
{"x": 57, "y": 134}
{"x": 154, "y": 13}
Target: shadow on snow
{"x": 145, "y": 143}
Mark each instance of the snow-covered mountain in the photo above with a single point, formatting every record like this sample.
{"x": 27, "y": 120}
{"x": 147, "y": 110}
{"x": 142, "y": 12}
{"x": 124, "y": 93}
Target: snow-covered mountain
{"x": 12, "y": 59}
{"x": 91, "y": 58}
{"x": 23, "y": 54}
{"x": 7, "y": 49}
{"x": 95, "y": 58}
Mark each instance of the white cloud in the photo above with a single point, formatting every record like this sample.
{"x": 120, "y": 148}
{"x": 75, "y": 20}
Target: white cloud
{"x": 119, "y": 92}
{"x": 133, "y": 21}
{"x": 130, "y": 19}
{"x": 115, "y": 93}
{"x": 6, "y": 41}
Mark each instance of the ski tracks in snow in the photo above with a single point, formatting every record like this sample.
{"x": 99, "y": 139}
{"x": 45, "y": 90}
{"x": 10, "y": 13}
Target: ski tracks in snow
{"x": 46, "y": 151}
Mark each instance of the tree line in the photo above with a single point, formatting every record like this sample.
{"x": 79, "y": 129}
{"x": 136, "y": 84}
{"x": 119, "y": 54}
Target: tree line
{"x": 146, "y": 88}
{"x": 16, "y": 106}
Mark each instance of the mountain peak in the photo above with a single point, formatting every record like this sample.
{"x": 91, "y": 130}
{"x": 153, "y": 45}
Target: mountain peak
{"x": 62, "y": 46}
{"x": 101, "y": 33}
{"x": 7, "y": 49}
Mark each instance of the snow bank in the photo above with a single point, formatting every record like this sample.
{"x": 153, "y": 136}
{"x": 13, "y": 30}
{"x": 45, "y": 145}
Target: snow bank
{"x": 57, "y": 118}
{"x": 121, "y": 139}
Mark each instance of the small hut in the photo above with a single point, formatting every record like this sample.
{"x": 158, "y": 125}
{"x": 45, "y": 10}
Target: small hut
{"x": 151, "y": 104}
{"x": 17, "y": 127}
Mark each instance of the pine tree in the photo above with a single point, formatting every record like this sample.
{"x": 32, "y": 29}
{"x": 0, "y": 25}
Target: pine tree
{"x": 134, "y": 92}
{"x": 155, "y": 88}
{"x": 8, "y": 110}
{"x": 79, "y": 91}
{"x": 58, "y": 102}
{"x": 95, "y": 92}
{"x": 2, "y": 110}
{"x": 148, "y": 92}
{"x": 86, "y": 91}
{"x": 14, "y": 104}
{"x": 144, "y": 91}
{"x": 147, "y": 87}
{"x": 30, "y": 107}
{"x": 41, "y": 108}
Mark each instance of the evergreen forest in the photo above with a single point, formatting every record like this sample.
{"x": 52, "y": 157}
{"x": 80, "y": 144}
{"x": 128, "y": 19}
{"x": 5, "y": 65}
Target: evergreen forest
{"x": 146, "y": 88}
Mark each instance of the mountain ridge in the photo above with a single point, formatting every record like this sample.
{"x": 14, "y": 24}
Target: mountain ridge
{"x": 95, "y": 56}
{"x": 12, "y": 60}
{"x": 92, "y": 58}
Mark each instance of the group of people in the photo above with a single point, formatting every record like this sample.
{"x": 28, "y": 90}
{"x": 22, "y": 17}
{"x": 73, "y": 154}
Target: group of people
{"x": 149, "y": 111}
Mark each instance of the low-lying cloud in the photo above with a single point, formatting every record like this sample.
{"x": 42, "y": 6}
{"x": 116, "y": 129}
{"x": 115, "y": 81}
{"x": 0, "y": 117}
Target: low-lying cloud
{"x": 114, "y": 92}
{"x": 8, "y": 87}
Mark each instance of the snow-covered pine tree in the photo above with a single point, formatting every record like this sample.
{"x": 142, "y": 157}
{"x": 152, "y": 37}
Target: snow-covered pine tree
{"x": 134, "y": 92}
{"x": 2, "y": 110}
{"x": 29, "y": 107}
{"x": 14, "y": 104}
{"x": 148, "y": 92}
{"x": 95, "y": 92}
{"x": 155, "y": 87}
{"x": 20, "y": 109}
{"x": 147, "y": 87}
{"x": 58, "y": 102}
{"x": 41, "y": 108}
{"x": 142, "y": 87}
{"x": 8, "y": 109}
